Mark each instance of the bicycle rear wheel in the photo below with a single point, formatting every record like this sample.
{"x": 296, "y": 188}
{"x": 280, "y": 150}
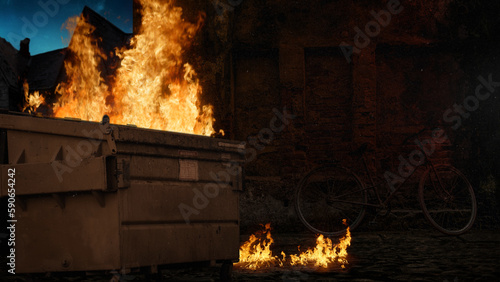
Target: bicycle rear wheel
{"x": 327, "y": 195}
{"x": 447, "y": 199}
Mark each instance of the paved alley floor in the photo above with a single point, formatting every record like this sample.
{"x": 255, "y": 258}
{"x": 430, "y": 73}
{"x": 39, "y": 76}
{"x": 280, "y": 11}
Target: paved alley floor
{"x": 419, "y": 255}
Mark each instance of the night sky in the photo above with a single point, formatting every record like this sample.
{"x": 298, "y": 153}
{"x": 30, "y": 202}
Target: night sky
{"x": 43, "y": 25}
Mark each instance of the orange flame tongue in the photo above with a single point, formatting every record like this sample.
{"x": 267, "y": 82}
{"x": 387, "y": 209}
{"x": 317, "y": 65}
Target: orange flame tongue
{"x": 84, "y": 94}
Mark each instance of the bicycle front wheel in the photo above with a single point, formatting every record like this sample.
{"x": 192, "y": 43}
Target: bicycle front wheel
{"x": 447, "y": 199}
{"x": 327, "y": 195}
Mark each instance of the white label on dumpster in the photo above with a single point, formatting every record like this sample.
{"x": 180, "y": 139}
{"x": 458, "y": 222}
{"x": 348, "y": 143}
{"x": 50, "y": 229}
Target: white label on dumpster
{"x": 188, "y": 170}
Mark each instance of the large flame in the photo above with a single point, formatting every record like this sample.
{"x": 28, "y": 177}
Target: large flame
{"x": 84, "y": 93}
{"x": 256, "y": 252}
{"x": 153, "y": 87}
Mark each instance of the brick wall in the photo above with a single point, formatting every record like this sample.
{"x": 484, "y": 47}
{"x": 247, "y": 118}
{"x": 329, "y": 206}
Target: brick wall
{"x": 289, "y": 55}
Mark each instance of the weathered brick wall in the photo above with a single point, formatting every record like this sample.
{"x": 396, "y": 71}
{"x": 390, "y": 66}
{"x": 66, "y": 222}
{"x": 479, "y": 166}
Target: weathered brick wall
{"x": 295, "y": 61}
{"x": 415, "y": 87}
{"x": 286, "y": 54}
{"x": 4, "y": 94}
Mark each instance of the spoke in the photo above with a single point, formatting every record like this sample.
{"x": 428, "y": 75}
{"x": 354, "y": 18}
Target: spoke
{"x": 330, "y": 186}
{"x": 447, "y": 210}
{"x": 343, "y": 186}
{"x": 454, "y": 183}
{"x": 350, "y": 202}
{"x": 318, "y": 188}
{"x": 440, "y": 216}
{"x": 313, "y": 193}
{"x": 448, "y": 204}
{"x": 327, "y": 196}
{"x": 350, "y": 193}
{"x": 448, "y": 178}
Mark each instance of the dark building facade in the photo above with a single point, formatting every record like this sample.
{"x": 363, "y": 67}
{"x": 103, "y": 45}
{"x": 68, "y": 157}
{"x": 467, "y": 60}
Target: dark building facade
{"x": 344, "y": 73}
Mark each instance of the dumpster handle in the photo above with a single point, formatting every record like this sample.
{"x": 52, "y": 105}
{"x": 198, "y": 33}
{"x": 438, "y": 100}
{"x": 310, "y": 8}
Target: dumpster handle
{"x": 110, "y": 139}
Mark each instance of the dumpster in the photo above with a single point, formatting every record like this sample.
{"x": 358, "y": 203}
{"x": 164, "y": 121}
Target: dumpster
{"x": 94, "y": 196}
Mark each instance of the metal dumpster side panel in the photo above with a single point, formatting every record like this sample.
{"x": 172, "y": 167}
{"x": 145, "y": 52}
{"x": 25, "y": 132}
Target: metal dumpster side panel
{"x": 42, "y": 147}
{"x": 41, "y": 165}
{"x": 212, "y": 194}
{"x": 163, "y": 168}
{"x": 50, "y": 126}
{"x": 83, "y": 236}
{"x": 41, "y": 179}
{"x": 93, "y": 130}
{"x": 174, "y": 139}
{"x": 158, "y": 202}
{"x": 177, "y": 243}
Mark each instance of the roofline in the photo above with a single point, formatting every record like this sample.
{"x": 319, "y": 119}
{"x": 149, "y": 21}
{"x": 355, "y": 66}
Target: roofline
{"x": 87, "y": 9}
{"x": 53, "y": 51}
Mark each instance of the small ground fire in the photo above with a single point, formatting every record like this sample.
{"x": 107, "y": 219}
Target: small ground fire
{"x": 256, "y": 253}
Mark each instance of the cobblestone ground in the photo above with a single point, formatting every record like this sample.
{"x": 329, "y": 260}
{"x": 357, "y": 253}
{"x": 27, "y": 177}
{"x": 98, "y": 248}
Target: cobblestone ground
{"x": 423, "y": 255}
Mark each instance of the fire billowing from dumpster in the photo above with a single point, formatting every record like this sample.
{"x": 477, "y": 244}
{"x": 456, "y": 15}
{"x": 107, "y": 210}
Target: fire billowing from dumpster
{"x": 153, "y": 87}
{"x": 256, "y": 253}
{"x": 126, "y": 184}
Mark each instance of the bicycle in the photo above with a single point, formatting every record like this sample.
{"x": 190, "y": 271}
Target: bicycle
{"x": 329, "y": 193}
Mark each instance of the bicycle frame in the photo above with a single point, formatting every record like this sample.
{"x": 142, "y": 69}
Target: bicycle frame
{"x": 427, "y": 163}
{"x": 446, "y": 197}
